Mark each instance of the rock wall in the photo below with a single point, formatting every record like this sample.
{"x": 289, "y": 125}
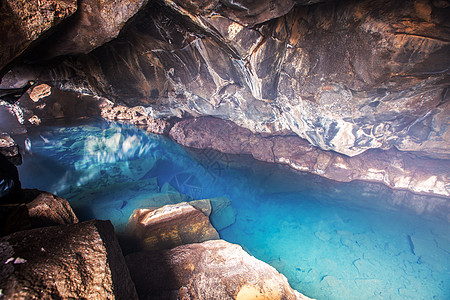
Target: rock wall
{"x": 345, "y": 75}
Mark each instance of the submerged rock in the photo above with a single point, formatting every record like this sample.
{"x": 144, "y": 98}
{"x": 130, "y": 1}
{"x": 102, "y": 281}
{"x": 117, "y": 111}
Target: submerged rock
{"x": 75, "y": 261}
{"x": 222, "y": 213}
{"x": 210, "y": 270}
{"x": 170, "y": 226}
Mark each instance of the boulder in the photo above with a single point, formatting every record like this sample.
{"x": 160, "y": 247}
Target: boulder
{"x": 222, "y": 213}
{"x": 10, "y": 149}
{"x": 46, "y": 209}
{"x": 210, "y": 270}
{"x": 170, "y": 226}
{"x": 23, "y": 22}
{"x": 73, "y": 261}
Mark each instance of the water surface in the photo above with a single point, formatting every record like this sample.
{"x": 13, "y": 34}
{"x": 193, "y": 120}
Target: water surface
{"x": 331, "y": 240}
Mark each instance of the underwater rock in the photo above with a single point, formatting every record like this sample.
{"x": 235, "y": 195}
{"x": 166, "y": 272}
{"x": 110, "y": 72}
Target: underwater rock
{"x": 46, "y": 209}
{"x": 210, "y": 270}
{"x": 23, "y": 22}
{"x": 394, "y": 168}
{"x": 10, "y": 149}
{"x": 170, "y": 226}
{"x": 222, "y": 213}
{"x": 81, "y": 260}
{"x": 219, "y": 210}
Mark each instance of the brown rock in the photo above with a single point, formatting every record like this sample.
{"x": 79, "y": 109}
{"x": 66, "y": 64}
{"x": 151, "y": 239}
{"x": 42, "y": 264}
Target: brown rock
{"x": 66, "y": 262}
{"x": 47, "y": 209}
{"x": 394, "y": 168}
{"x": 10, "y": 149}
{"x": 22, "y": 22}
{"x": 210, "y": 270}
{"x": 95, "y": 23}
{"x": 347, "y": 76}
{"x": 170, "y": 226}
{"x": 45, "y": 103}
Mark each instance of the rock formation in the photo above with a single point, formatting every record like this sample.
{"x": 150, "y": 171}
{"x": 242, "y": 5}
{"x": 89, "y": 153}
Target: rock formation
{"x": 389, "y": 167}
{"x": 170, "y": 226}
{"x": 46, "y": 209}
{"x": 68, "y": 261}
{"x": 210, "y": 270}
{"x": 23, "y": 22}
{"x": 346, "y": 76}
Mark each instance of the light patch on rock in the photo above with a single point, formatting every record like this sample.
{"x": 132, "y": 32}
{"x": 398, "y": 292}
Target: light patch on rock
{"x": 234, "y": 30}
{"x": 40, "y": 91}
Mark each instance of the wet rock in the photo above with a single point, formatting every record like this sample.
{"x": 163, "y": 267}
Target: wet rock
{"x": 81, "y": 260}
{"x": 210, "y": 270}
{"x": 23, "y": 22}
{"x": 47, "y": 209}
{"x": 170, "y": 226}
{"x": 137, "y": 116}
{"x": 10, "y": 149}
{"x": 394, "y": 168}
{"x": 222, "y": 213}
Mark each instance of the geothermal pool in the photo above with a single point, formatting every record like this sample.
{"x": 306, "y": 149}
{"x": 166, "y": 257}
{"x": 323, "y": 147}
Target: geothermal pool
{"x": 331, "y": 240}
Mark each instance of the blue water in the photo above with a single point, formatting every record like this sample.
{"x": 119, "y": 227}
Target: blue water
{"x": 331, "y": 240}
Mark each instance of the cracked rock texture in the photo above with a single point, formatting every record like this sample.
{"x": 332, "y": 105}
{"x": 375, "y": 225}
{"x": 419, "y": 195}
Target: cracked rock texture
{"x": 393, "y": 168}
{"x": 46, "y": 209}
{"x": 76, "y": 261}
{"x": 23, "y": 22}
{"x": 210, "y": 270}
{"x": 345, "y": 75}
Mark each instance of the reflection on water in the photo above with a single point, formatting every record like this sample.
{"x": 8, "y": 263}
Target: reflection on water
{"x": 332, "y": 240}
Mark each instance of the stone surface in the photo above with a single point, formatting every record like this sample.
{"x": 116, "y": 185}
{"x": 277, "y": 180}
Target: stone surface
{"x": 170, "y": 226}
{"x": 46, "y": 209}
{"x": 210, "y": 270}
{"x": 10, "y": 149}
{"x": 23, "y": 22}
{"x": 95, "y": 22}
{"x": 222, "y": 213}
{"x": 393, "y": 168}
{"x": 346, "y": 76}
{"x": 66, "y": 262}
{"x": 45, "y": 104}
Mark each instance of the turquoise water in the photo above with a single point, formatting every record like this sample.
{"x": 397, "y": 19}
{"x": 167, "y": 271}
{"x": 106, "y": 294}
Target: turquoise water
{"x": 331, "y": 240}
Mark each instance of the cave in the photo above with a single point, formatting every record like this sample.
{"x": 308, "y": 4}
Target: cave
{"x": 185, "y": 149}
